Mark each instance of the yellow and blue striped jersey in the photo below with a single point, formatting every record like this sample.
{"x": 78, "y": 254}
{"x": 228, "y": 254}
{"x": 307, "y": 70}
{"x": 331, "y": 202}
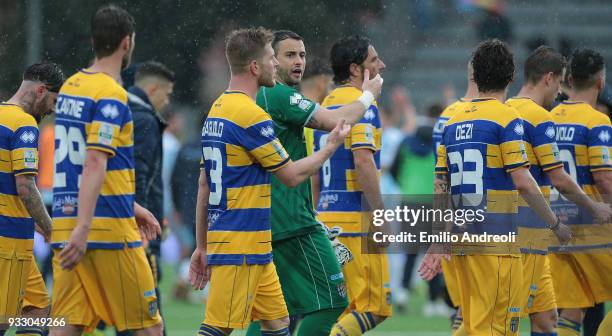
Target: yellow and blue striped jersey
{"x": 543, "y": 155}
{"x": 480, "y": 146}
{"x": 584, "y": 138}
{"x": 448, "y": 113}
{"x": 239, "y": 149}
{"x": 92, "y": 113}
{"x": 18, "y": 156}
{"x": 340, "y": 196}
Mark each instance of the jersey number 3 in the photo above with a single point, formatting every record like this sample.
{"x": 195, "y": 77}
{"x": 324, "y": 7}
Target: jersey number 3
{"x": 214, "y": 154}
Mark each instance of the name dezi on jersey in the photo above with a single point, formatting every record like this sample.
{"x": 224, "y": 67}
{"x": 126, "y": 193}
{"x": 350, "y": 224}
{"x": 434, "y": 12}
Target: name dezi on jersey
{"x": 213, "y": 128}
{"x": 464, "y": 132}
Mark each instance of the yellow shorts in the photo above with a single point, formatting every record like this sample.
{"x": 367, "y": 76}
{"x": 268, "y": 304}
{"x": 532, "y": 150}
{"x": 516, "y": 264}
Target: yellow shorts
{"x": 14, "y": 270}
{"x": 367, "y": 280}
{"x": 115, "y": 286}
{"x": 239, "y": 294}
{"x": 490, "y": 293}
{"x": 538, "y": 292}
{"x": 581, "y": 279}
{"x": 450, "y": 279}
{"x": 36, "y": 294}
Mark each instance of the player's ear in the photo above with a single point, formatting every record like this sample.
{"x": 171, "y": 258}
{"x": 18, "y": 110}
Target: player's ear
{"x": 126, "y": 42}
{"x": 254, "y": 67}
{"x": 355, "y": 70}
{"x": 548, "y": 78}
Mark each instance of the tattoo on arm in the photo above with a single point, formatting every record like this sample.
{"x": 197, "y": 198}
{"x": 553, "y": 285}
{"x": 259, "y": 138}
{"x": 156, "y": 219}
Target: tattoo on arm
{"x": 31, "y": 198}
{"x": 314, "y": 123}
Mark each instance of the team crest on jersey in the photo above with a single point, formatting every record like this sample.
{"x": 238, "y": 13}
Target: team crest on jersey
{"x": 519, "y": 129}
{"x": 152, "y": 308}
{"x": 550, "y": 132}
{"x": 604, "y": 136}
{"x": 28, "y": 137}
{"x": 110, "y": 111}
{"x": 29, "y": 158}
{"x": 267, "y": 131}
{"x": 212, "y": 218}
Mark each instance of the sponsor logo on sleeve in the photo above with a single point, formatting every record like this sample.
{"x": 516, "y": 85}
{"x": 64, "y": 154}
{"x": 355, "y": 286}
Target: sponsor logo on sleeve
{"x": 267, "y": 131}
{"x": 105, "y": 133}
{"x": 29, "y": 158}
{"x": 604, "y": 136}
{"x": 519, "y": 129}
{"x": 550, "y": 132}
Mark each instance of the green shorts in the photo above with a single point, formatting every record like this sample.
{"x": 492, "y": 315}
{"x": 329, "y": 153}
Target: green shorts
{"x": 310, "y": 276}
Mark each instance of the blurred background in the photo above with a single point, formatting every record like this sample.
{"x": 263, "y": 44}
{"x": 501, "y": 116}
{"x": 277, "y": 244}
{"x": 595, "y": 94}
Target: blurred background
{"x": 425, "y": 45}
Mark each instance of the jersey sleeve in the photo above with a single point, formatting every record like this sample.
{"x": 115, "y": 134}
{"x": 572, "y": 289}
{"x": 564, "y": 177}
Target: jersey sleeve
{"x": 24, "y": 148}
{"x": 109, "y": 119}
{"x": 600, "y": 133}
{"x": 441, "y": 164}
{"x": 362, "y": 134}
{"x": 261, "y": 142}
{"x": 286, "y": 105}
{"x": 512, "y": 146}
{"x": 544, "y": 146}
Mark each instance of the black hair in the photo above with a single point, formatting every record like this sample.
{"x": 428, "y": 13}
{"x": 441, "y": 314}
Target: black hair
{"x": 49, "y": 74}
{"x": 493, "y": 65}
{"x": 346, "y": 51}
{"x": 109, "y": 25}
{"x": 585, "y": 65}
{"x": 543, "y": 60}
{"x": 154, "y": 69}
{"x": 281, "y": 35}
{"x": 315, "y": 67}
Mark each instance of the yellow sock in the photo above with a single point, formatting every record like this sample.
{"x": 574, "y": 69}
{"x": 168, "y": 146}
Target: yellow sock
{"x": 567, "y": 327}
{"x": 460, "y": 331}
{"x": 605, "y": 328}
{"x": 353, "y": 324}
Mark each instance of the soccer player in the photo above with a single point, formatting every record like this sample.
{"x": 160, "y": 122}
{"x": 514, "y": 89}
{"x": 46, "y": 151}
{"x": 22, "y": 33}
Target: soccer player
{"x": 23, "y": 210}
{"x": 100, "y": 271}
{"x": 353, "y": 173}
{"x": 450, "y": 279}
{"x": 482, "y": 161}
{"x": 583, "y": 277}
{"x": 310, "y": 275}
{"x": 240, "y": 150}
{"x": 543, "y": 73}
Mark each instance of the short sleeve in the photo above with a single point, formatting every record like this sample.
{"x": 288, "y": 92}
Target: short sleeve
{"x": 106, "y": 125}
{"x": 542, "y": 139}
{"x": 441, "y": 164}
{"x": 299, "y": 109}
{"x": 260, "y": 141}
{"x": 24, "y": 148}
{"x": 600, "y": 133}
{"x": 512, "y": 146}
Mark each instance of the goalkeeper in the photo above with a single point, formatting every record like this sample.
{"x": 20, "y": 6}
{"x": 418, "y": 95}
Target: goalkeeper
{"x": 310, "y": 274}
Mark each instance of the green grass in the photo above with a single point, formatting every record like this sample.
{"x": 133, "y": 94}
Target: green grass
{"x": 183, "y": 319}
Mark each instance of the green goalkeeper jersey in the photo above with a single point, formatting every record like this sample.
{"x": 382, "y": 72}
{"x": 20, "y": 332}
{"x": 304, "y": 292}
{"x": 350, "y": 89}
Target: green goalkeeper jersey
{"x": 292, "y": 208}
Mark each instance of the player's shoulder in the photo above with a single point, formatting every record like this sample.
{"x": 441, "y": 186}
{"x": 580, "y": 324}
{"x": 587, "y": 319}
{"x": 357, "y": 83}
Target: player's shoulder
{"x": 579, "y": 113}
{"x": 341, "y": 95}
{"x": 239, "y": 108}
{"x": 452, "y": 109}
{"x": 94, "y": 85}
{"x": 13, "y": 117}
{"x": 529, "y": 110}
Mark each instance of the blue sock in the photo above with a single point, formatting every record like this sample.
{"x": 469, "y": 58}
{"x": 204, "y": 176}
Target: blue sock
{"x": 533, "y": 333}
{"x": 277, "y": 332}
{"x": 208, "y": 330}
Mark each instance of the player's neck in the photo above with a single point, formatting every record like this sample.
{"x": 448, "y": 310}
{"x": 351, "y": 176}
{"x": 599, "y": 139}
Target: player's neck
{"x": 499, "y": 95}
{"x": 472, "y": 92}
{"x": 531, "y": 92}
{"x": 587, "y": 96}
{"x": 23, "y": 98}
{"x": 244, "y": 83}
{"x": 110, "y": 65}
{"x": 355, "y": 82}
